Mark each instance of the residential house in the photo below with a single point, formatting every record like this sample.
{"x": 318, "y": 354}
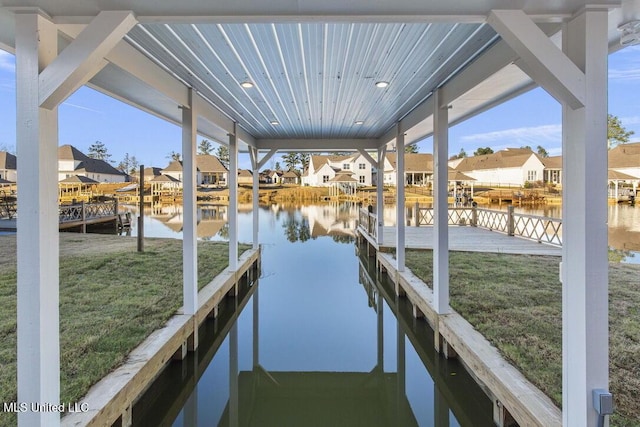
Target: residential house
{"x": 275, "y": 177}
{"x": 323, "y": 168}
{"x": 418, "y": 169}
{"x": 291, "y": 177}
{"x": 552, "y": 170}
{"x": 209, "y": 170}
{"x": 149, "y": 174}
{"x": 512, "y": 167}
{"x": 8, "y": 165}
{"x": 72, "y": 161}
{"x": 245, "y": 177}
{"x": 625, "y": 158}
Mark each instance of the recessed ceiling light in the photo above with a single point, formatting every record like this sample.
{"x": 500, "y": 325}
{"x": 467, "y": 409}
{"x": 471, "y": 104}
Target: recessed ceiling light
{"x": 247, "y": 84}
{"x": 382, "y": 84}
{"x": 358, "y": 122}
{"x": 275, "y": 122}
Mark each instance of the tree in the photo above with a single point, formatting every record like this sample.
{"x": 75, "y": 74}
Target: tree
{"x": 174, "y": 156}
{"x": 291, "y": 160}
{"x": 222, "y": 153}
{"x": 616, "y": 133}
{"x": 461, "y": 155}
{"x": 527, "y": 147}
{"x": 129, "y": 164}
{"x": 99, "y": 151}
{"x": 205, "y": 147}
{"x": 411, "y": 148}
{"x": 542, "y": 152}
{"x": 278, "y": 166}
{"x": 480, "y": 151}
{"x": 303, "y": 159}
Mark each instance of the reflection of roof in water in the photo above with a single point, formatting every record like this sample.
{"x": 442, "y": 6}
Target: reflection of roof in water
{"x": 205, "y": 228}
{"x": 318, "y": 230}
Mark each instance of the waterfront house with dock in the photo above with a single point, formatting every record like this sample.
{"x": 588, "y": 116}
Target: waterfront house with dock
{"x": 72, "y": 161}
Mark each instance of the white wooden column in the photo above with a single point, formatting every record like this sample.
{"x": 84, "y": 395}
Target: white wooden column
{"x": 256, "y": 165}
{"x": 577, "y": 77}
{"x": 440, "y": 206}
{"x": 37, "y": 224}
{"x": 380, "y": 194}
{"x": 253, "y": 153}
{"x": 585, "y": 336}
{"x": 400, "y": 211}
{"x": 233, "y": 200}
{"x": 189, "y": 230}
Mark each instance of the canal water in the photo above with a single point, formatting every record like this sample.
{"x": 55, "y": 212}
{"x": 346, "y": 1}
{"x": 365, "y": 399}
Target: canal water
{"x": 316, "y": 340}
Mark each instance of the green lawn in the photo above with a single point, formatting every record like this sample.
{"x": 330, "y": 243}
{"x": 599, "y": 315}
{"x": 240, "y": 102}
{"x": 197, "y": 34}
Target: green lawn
{"x": 515, "y": 301}
{"x": 109, "y": 303}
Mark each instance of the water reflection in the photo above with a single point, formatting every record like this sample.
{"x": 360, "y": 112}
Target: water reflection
{"x": 312, "y": 349}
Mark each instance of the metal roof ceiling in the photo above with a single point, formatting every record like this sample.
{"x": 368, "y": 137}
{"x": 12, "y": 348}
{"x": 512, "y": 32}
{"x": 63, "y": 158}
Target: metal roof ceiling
{"x": 315, "y": 79}
{"x": 314, "y": 64}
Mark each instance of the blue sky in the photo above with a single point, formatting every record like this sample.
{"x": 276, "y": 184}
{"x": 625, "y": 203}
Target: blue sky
{"x": 532, "y": 119}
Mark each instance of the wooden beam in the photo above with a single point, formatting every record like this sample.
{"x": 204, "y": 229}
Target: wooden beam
{"x": 84, "y": 57}
{"x": 547, "y": 65}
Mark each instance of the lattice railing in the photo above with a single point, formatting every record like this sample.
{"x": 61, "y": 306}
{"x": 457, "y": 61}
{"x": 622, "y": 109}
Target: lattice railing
{"x": 539, "y": 228}
{"x": 492, "y": 220}
{"x": 368, "y": 220}
{"x": 85, "y": 211}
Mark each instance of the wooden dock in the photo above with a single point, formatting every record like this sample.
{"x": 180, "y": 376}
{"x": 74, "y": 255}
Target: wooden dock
{"x": 464, "y": 238}
{"x": 111, "y": 400}
{"x": 513, "y": 396}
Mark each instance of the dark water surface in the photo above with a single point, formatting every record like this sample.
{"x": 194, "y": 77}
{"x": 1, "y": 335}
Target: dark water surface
{"x": 317, "y": 340}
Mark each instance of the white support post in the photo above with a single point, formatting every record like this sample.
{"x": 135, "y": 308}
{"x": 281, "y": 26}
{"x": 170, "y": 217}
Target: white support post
{"x": 400, "y": 213}
{"x": 380, "y": 194}
{"x": 37, "y": 224}
{"x": 233, "y": 201}
{"x": 189, "y": 230}
{"x": 253, "y": 153}
{"x": 585, "y": 329}
{"x": 440, "y": 206}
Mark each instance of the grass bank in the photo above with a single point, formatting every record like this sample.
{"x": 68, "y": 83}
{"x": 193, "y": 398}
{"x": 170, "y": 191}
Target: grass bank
{"x": 111, "y": 299}
{"x": 515, "y": 301}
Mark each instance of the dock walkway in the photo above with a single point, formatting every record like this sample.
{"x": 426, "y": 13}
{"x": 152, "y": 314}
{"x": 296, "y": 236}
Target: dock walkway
{"x": 464, "y": 238}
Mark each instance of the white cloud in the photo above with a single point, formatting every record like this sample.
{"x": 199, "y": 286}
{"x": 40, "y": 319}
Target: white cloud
{"x": 632, "y": 120}
{"x": 516, "y": 137}
{"x": 7, "y": 61}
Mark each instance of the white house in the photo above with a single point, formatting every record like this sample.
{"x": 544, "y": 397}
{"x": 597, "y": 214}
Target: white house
{"x": 72, "y": 161}
{"x": 209, "y": 170}
{"x": 8, "y": 164}
{"x": 510, "y": 167}
{"x": 323, "y": 168}
{"x": 418, "y": 169}
{"x": 625, "y": 158}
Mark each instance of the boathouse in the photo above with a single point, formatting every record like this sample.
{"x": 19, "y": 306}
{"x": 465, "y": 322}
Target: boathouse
{"x": 263, "y": 77}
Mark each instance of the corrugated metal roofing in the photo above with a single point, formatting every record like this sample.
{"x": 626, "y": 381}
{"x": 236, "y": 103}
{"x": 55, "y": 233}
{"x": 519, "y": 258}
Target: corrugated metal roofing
{"x": 315, "y": 79}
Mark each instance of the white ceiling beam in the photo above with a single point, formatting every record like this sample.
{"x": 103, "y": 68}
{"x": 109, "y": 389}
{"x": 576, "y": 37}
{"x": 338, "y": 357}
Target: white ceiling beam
{"x": 547, "y": 65}
{"x": 266, "y": 158}
{"x": 317, "y": 144}
{"x": 487, "y": 64}
{"x": 84, "y": 57}
{"x": 367, "y": 156}
{"x": 211, "y": 114}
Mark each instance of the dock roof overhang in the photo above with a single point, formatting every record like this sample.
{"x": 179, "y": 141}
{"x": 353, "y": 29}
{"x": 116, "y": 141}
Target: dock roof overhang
{"x": 313, "y": 64}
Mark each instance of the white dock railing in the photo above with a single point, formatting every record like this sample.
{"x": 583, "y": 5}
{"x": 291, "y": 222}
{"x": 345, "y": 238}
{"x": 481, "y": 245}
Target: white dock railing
{"x": 533, "y": 227}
